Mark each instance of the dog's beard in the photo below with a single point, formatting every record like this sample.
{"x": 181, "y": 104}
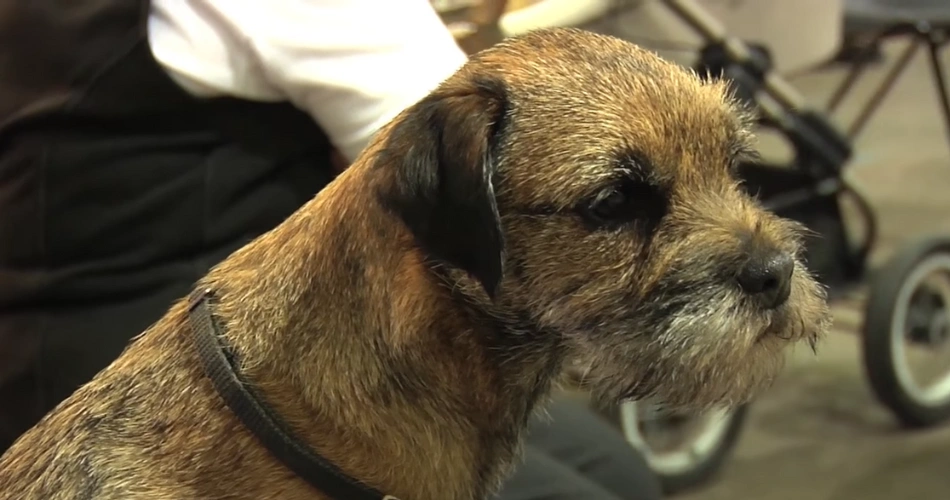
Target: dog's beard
{"x": 710, "y": 347}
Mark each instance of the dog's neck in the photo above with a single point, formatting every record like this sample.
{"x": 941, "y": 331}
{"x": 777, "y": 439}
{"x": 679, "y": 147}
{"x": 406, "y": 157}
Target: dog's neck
{"x": 372, "y": 361}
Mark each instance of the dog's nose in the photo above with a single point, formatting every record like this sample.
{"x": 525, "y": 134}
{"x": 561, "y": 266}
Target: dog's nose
{"x": 767, "y": 276}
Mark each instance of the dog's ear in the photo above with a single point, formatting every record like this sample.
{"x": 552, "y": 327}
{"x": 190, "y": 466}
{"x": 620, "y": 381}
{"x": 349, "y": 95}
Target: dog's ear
{"x": 443, "y": 153}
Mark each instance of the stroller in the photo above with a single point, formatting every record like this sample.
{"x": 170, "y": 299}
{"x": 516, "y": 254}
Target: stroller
{"x": 904, "y": 304}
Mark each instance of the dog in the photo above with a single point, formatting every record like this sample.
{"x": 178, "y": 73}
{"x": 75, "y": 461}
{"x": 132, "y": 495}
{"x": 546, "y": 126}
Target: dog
{"x": 566, "y": 198}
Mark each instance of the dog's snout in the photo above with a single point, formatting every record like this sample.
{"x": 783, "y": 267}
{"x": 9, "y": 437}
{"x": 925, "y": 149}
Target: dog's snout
{"x": 767, "y": 276}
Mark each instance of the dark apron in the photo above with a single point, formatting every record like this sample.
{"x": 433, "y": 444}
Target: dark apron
{"x": 117, "y": 191}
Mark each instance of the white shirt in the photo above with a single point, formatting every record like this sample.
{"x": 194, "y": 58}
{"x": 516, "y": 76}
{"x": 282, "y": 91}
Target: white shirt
{"x": 353, "y": 65}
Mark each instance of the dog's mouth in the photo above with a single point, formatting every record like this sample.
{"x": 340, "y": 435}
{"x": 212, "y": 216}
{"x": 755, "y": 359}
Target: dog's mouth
{"x": 802, "y": 318}
{"x": 695, "y": 342}
{"x": 778, "y": 325}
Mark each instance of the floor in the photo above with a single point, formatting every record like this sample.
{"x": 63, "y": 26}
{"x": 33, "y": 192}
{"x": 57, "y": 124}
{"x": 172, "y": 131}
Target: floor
{"x": 819, "y": 434}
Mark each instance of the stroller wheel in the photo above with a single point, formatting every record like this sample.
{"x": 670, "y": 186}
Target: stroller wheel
{"x": 907, "y": 323}
{"x": 684, "y": 451}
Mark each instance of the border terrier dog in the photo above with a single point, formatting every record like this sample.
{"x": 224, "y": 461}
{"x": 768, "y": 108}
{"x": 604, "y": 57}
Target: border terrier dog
{"x": 566, "y": 198}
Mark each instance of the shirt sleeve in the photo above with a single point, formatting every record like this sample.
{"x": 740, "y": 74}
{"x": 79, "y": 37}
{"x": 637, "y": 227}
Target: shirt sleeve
{"x": 351, "y": 64}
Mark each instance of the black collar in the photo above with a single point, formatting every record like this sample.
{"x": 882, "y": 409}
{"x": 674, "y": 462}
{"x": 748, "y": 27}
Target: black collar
{"x": 258, "y": 418}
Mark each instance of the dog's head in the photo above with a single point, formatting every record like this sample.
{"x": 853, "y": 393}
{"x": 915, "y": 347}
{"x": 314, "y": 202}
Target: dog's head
{"x": 588, "y": 185}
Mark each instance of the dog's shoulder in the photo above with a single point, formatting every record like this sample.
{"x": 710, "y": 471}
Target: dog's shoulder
{"x": 53, "y": 459}
{"x": 97, "y": 442}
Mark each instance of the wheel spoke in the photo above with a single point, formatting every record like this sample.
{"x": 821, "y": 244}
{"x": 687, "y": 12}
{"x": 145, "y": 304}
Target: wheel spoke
{"x": 919, "y": 316}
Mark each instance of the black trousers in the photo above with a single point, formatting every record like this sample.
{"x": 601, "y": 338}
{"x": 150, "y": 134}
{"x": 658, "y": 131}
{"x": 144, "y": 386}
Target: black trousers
{"x": 576, "y": 455}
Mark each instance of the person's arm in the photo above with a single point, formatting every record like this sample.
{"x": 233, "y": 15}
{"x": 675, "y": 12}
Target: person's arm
{"x": 352, "y": 64}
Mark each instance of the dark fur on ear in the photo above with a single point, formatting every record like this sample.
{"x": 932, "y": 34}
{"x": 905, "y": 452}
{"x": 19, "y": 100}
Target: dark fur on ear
{"x": 443, "y": 153}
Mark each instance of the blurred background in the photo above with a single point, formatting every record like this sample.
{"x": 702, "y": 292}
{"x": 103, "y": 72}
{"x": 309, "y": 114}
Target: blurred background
{"x": 866, "y": 164}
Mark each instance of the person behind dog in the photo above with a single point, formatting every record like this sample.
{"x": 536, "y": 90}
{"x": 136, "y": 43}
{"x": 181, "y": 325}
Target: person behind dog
{"x": 142, "y": 142}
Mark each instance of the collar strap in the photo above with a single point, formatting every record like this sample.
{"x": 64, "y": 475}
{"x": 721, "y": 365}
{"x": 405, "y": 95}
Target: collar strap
{"x": 219, "y": 366}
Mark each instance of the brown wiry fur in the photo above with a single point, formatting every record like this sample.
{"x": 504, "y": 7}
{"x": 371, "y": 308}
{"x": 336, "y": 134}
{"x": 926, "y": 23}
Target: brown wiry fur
{"x": 413, "y": 362}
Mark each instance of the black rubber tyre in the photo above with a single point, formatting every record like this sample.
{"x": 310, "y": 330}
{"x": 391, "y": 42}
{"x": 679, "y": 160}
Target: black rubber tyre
{"x": 706, "y": 466}
{"x": 888, "y": 288}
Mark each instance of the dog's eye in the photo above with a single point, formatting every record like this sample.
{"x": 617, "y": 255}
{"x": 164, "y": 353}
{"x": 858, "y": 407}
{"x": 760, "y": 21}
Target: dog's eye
{"x": 631, "y": 200}
{"x": 611, "y": 204}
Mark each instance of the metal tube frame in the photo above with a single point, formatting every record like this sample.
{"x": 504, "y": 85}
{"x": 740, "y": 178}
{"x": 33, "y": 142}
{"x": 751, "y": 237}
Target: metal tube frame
{"x": 921, "y": 34}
